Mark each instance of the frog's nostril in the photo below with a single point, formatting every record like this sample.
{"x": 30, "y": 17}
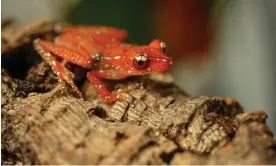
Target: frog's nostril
{"x": 170, "y": 61}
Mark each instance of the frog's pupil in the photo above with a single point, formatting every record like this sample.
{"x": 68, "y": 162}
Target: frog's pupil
{"x": 141, "y": 62}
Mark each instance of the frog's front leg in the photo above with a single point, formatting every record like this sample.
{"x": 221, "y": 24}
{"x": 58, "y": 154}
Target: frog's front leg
{"x": 95, "y": 80}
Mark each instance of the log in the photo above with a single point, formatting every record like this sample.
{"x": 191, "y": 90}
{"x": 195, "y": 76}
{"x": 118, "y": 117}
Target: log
{"x": 158, "y": 124}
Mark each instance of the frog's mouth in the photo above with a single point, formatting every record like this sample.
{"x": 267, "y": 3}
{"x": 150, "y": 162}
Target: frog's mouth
{"x": 159, "y": 65}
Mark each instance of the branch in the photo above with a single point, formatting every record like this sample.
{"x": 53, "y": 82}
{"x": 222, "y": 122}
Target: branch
{"x": 43, "y": 124}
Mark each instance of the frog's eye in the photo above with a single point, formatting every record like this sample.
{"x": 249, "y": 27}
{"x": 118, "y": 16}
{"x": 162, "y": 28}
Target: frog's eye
{"x": 159, "y": 44}
{"x": 141, "y": 61}
{"x": 163, "y": 46}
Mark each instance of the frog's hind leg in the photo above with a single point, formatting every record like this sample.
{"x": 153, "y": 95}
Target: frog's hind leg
{"x": 59, "y": 70}
{"x": 92, "y": 31}
{"x": 71, "y": 54}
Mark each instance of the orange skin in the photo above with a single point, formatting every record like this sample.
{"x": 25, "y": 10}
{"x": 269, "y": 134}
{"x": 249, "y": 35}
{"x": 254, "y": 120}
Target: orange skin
{"x": 101, "y": 50}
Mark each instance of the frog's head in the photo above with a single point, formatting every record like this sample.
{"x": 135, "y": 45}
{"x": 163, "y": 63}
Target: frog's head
{"x": 148, "y": 59}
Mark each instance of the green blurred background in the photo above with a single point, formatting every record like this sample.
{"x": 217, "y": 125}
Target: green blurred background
{"x": 134, "y": 16}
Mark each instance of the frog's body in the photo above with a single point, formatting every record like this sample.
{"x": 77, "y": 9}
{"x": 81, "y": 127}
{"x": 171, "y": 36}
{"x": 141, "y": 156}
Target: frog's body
{"x": 101, "y": 50}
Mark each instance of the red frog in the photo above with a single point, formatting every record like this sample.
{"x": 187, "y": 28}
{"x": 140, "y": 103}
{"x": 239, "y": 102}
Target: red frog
{"x": 101, "y": 50}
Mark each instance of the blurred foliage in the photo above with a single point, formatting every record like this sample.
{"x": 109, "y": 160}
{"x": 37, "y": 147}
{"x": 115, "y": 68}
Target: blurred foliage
{"x": 135, "y": 16}
{"x": 187, "y": 26}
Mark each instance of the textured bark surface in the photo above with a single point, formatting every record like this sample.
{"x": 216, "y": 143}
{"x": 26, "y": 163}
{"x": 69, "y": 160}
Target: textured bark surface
{"x": 159, "y": 124}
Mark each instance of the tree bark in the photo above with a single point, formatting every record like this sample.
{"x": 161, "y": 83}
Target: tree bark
{"x": 158, "y": 124}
